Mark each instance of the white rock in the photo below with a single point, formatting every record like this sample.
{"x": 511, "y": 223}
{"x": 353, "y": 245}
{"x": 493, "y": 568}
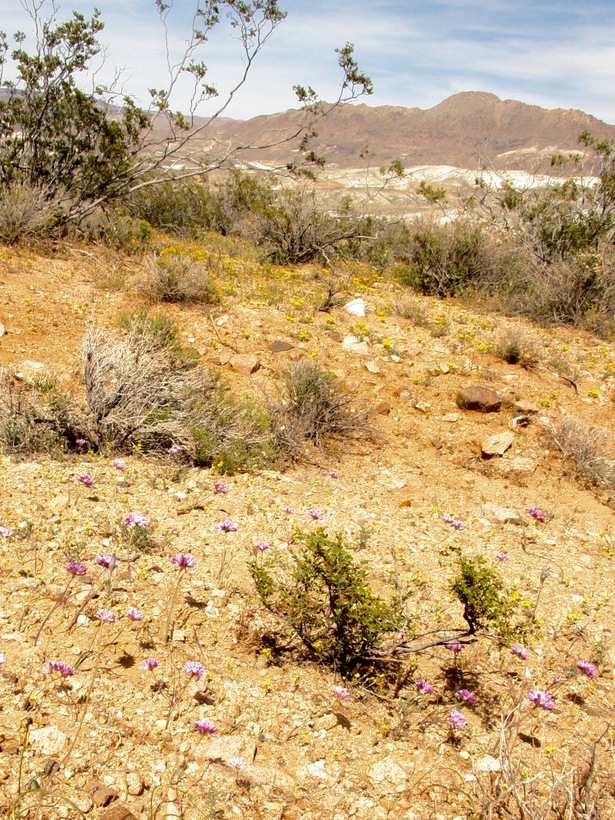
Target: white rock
{"x": 488, "y": 764}
{"x": 49, "y": 740}
{"x": 318, "y": 769}
{"x": 498, "y": 444}
{"x": 356, "y": 307}
{"x": 387, "y": 771}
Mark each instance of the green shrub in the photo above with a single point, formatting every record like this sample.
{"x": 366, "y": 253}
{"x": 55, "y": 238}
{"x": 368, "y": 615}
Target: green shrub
{"x": 327, "y": 601}
{"x": 162, "y": 333}
{"x": 480, "y": 588}
{"x": 514, "y": 346}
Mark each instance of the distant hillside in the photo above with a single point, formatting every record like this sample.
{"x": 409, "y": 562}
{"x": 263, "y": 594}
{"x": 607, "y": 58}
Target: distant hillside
{"x": 464, "y": 130}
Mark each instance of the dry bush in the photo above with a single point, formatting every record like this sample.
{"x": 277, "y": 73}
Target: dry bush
{"x": 25, "y": 213}
{"x": 517, "y": 347}
{"x": 177, "y": 278}
{"x": 37, "y": 415}
{"x": 589, "y": 448}
{"x": 314, "y": 407}
{"x": 139, "y": 394}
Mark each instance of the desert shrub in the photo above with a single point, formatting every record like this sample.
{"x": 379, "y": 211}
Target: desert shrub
{"x": 314, "y": 406}
{"x": 295, "y": 229}
{"x": 25, "y": 213}
{"x": 173, "y": 277}
{"x": 162, "y": 333}
{"x": 588, "y": 448}
{"x": 143, "y": 394}
{"x": 37, "y": 415}
{"x": 480, "y": 588}
{"x": 451, "y": 259}
{"x": 514, "y": 346}
{"x": 326, "y": 600}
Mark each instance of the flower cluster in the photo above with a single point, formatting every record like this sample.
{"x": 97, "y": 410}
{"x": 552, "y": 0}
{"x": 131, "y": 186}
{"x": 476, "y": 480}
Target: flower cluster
{"x": 226, "y": 526}
{"x": 261, "y": 546}
{"x": 184, "y": 561}
{"x": 134, "y": 614}
{"x": 65, "y": 669}
{"x": 467, "y": 697}
{"x": 542, "y": 699}
{"x": 457, "y": 720}
{"x": 85, "y": 479}
{"x": 4, "y": 531}
{"x": 537, "y": 514}
{"x": 175, "y": 450}
{"x": 520, "y": 652}
{"x": 107, "y": 561}
{"x": 341, "y": 692}
{"x": 456, "y": 523}
{"x": 149, "y": 665}
{"x": 119, "y": 464}
{"x": 205, "y": 727}
{"x": 220, "y": 487}
{"x": 423, "y": 687}
{"x": 587, "y": 668}
{"x": 194, "y": 669}
{"x": 316, "y": 515}
{"x": 502, "y": 556}
{"x": 454, "y": 647}
{"x": 136, "y": 519}
{"x": 106, "y": 616}
{"x": 75, "y": 568}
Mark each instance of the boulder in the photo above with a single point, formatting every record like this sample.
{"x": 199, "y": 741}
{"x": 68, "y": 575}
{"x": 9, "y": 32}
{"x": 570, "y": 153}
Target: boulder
{"x": 478, "y": 398}
{"x": 497, "y": 445}
{"x": 245, "y": 363}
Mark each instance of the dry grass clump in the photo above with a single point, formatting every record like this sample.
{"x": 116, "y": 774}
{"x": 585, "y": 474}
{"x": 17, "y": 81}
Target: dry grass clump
{"x": 514, "y": 346}
{"x": 25, "y": 213}
{"x": 177, "y": 278}
{"x": 589, "y": 448}
{"x": 315, "y": 407}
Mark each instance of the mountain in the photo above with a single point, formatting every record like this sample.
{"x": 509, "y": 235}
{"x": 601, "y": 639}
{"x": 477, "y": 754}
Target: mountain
{"x": 465, "y": 130}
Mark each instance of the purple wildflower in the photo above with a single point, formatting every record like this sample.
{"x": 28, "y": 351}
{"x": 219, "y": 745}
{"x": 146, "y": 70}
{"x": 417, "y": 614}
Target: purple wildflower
{"x": 107, "y": 561}
{"x": 520, "y": 652}
{"x": 466, "y": 696}
{"x": 136, "y": 519}
{"x": 175, "y": 450}
{"x": 5, "y": 532}
{"x": 288, "y": 510}
{"x": 423, "y": 687}
{"x": 587, "y": 668}
{"x": 333, "y": 474}
{"x": 454, "y": 647}
{"x": 502, "y": 556}
{"x": 134, "y": 614}
{"x": 316, "y": 515}
{"x": 119, "y": 464}
{"x": 226, "y": 526}
{"x": 184, "y": 561}
{"x": 85, "y": 479}
{"x": 236, "y": 763}
{"x": 542, "y": 699}
{"x": 75, "y": 568}
{"x": 80, "y": 442}
{"x": 106, "y": 616}
{"x": 537, "y": 514}
{"x": 455, "y": 523}
{"x": 220, "y": 487}
{"x": 194, "y": 669}
{"x": 149, "y": 665}
{"x": 65, "y": 669}
{"x": 205, "y": 727}
{"x": 341, "y": 692}
{"x": 456, "y": 719}
{"x": 261, "y": 546}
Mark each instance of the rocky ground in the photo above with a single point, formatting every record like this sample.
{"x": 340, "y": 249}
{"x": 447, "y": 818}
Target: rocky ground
{"x": 115, "y": 740}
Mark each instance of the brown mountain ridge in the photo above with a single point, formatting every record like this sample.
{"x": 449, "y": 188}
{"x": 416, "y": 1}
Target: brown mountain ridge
{"x": 466, "y": 130}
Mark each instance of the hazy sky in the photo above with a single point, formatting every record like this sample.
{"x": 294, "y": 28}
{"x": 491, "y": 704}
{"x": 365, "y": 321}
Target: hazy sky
{"x": 553, "y": 53}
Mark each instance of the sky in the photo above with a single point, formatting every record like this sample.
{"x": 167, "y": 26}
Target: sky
{"x": 551, "y": 53}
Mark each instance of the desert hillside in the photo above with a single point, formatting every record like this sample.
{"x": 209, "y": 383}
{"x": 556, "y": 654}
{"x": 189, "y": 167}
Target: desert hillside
{"x": 150, "y": 685}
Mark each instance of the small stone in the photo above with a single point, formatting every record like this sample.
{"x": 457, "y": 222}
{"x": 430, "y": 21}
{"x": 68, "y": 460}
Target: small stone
{"x": 224, "y": 357}
{"x": 497, "y": 445}
{"x": 516, "y": 466}
{"x": 49, "y": 740}
{"x": 503, "y": 515}
{"x": 371, "y": 366}
{"x": 103, "y": 796}
{"x": 383, "y": 408}
{"x": 389, "y": 772}
{"x": 478, "y": 398}
{"x": 488, "y": 764}
{"x": 526, "y": 408}
{"x": 437, "y": 443}
{"x": 134, "y": 783}
{"x": 444, "y": 368}
{"x": 280, "y": 346}
{"x": 117, "y": 812}
{"x": 422, "y": 406}
{"x": 353, "y": 345}
{"x": 2, "y": 330}
{"x": 244, "y": 363}
{"x": 450, "y": 418}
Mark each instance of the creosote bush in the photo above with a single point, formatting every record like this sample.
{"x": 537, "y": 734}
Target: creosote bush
{"x": 480, "y": 588}
{"x": 326, "y": 600}
{"x": 314, "y": 407}
{"x": 514, "y": 346}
